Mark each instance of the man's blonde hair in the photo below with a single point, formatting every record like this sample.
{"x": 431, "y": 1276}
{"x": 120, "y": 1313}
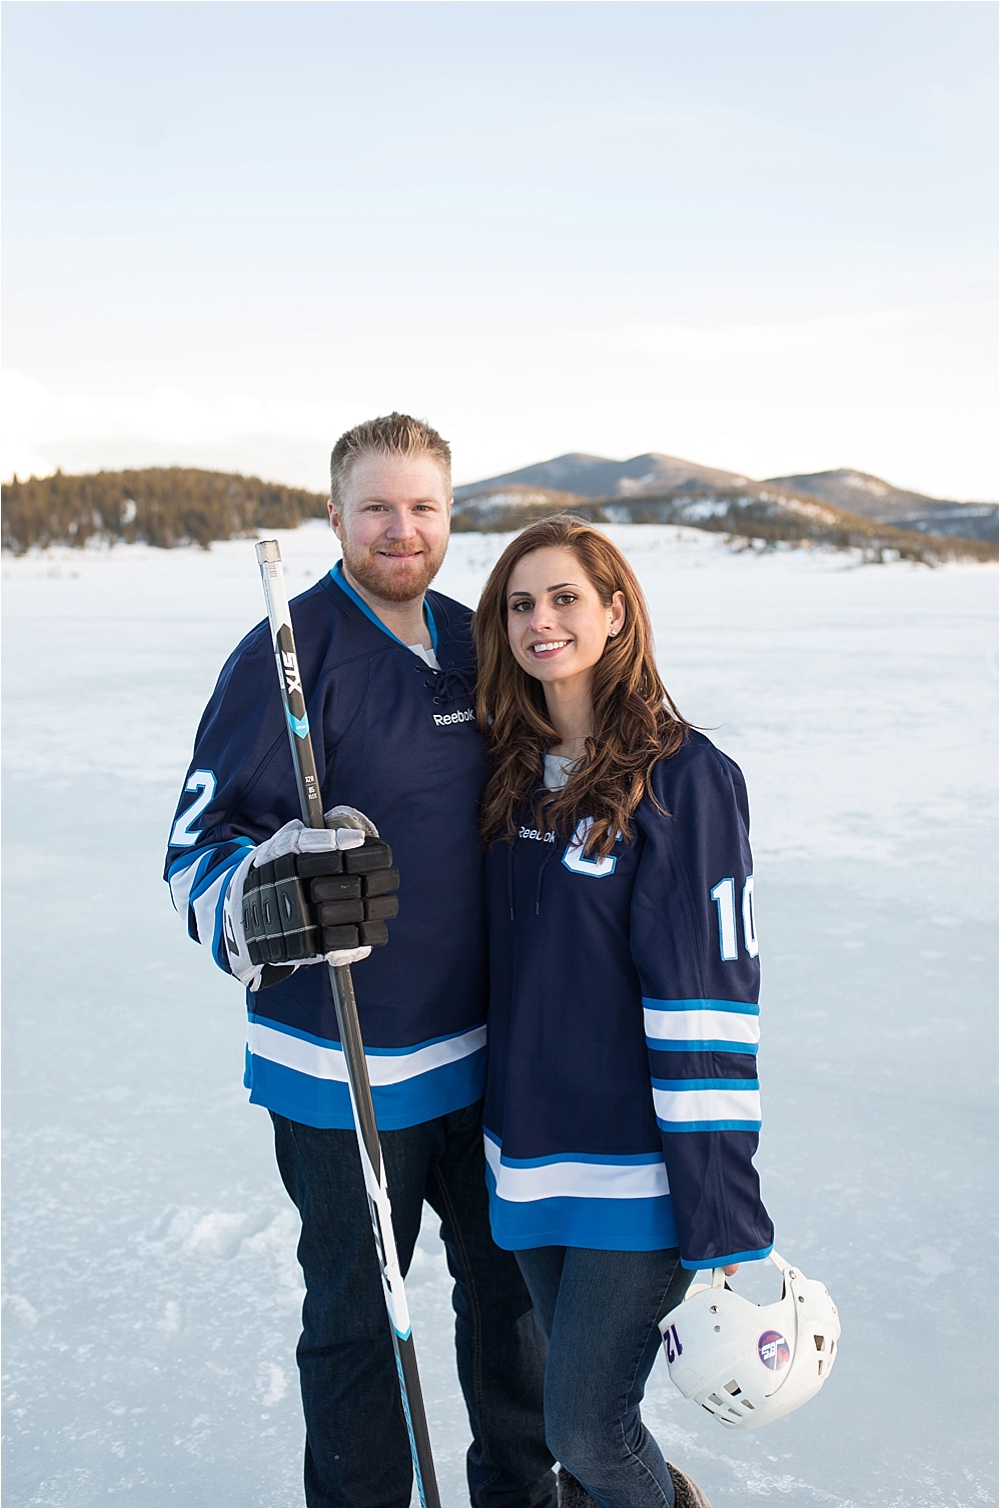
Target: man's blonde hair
{"x": 389, "y": 435}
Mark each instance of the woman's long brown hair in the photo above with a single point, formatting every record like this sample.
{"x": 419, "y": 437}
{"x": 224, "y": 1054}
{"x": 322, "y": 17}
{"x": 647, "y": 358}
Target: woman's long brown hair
{"x": 635, "y": 720}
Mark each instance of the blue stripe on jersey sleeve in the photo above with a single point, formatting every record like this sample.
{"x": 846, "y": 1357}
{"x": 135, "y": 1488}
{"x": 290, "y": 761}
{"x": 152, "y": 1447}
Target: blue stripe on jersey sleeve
{"x": 186, "y": 860}
{"x": 701, "y": 1026}
{"x": 219, "y": 949}
{"x": 706, "y": 1084}
{"x": 738, "y": 1008}
{"x": 181, "y": 877}
{"x": 706, "y": 1105}
{"x": 697, "y": 1045}
{"x": 218, "y": 863}
{"x": 752, "y": 1256}
{"x": 193, "y": 874}
{"x": 702, "y": 1065}
{"x": 708, "y": 1126}
{"x": 206, "y": 899}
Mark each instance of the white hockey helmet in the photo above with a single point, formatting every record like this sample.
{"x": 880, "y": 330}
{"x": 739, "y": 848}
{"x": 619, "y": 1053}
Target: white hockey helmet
{"x": 749, "y": 1364}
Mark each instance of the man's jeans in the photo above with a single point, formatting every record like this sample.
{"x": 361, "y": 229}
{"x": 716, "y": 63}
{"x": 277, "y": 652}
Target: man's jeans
{"x": 599, "y": 1311}
{"x": 357, "y": 1450}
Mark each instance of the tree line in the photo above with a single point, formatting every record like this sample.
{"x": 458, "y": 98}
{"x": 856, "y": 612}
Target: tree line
{"x": 174, "y": 505}
{"x": 163, "y": 506}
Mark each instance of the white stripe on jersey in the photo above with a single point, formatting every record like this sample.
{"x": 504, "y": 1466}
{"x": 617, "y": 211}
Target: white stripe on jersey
{"x": 383, "y": 1068}
{"x": 702, "y": 1025}
{"x": 706, "y": 1105}
{"x": 181, "y": 882}
{"x": 206, "y": 906}
{"x": 588, "y": 1181}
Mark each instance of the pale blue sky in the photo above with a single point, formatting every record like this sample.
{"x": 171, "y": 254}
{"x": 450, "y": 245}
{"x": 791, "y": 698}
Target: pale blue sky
{"x": 760, "y": 235}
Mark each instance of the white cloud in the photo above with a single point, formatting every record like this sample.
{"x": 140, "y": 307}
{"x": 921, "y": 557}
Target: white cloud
{"x": 905, "y": 393}
{"x": 39, "y": 424}
{"x": 715, "y": 343}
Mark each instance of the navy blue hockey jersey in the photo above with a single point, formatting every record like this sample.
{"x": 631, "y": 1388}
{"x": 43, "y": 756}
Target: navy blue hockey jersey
{"x": 397, "y": 740}
{"x": 622, "y": 1104}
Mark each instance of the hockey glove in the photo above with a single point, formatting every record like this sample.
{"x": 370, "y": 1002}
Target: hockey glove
{"x": 308, "y": 895}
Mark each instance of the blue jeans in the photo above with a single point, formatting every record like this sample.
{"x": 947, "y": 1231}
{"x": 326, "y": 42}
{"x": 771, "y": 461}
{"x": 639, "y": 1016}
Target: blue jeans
{"x": 357, "y": 1451}
{"x": 599, "y": 1311}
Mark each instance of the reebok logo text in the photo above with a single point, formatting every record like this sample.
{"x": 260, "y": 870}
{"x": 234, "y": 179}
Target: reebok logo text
{"x": 443, "y": 719}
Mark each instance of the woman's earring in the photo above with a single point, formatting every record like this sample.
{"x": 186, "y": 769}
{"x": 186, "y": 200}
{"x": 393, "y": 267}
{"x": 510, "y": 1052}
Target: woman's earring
{"x": 613, "y": 633}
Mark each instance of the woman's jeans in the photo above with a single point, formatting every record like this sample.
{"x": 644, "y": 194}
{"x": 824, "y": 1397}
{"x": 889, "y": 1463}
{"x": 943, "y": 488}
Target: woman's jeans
{"x": 357, "y": 1451}
{"x": 600, "y": 1312}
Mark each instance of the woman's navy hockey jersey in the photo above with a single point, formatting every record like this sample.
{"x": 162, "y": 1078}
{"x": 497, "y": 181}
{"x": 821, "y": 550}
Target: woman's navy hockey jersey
{"x": 622, "y": 1103}
{"x": 397, "y": 740}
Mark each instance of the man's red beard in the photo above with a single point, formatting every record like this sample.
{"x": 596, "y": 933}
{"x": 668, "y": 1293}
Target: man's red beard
{"x": 392, "y": 584}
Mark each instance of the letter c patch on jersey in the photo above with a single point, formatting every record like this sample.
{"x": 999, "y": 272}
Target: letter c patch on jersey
{"x": 574, "y": 858}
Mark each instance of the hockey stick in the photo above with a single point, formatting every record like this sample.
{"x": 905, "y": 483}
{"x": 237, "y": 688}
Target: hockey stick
{"x": 311, "y": 803}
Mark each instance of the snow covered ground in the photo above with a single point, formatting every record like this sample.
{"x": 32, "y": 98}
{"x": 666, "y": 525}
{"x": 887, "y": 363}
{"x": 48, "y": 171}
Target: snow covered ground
{"x": 151, "y": 1290}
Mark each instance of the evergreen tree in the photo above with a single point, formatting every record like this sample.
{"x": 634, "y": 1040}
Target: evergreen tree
{"x": 162, "y": 506}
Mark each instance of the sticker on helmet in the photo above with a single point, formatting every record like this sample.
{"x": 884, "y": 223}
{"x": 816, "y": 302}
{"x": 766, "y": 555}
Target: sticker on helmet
{"x": 773, "y": 1350}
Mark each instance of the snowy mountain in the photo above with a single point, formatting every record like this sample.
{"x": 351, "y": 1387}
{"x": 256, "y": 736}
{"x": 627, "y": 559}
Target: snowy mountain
{"x": 652, "y": 474}
{"x": 855, "y": 510}
{"x": 849, "y": 500}
{"x": 871, "y": 498}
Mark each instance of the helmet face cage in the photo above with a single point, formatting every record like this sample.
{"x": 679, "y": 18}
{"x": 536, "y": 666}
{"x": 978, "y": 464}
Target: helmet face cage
{"x": 749, "y": 1364}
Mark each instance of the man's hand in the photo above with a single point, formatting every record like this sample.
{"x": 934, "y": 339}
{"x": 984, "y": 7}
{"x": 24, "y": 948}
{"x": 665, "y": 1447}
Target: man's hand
{"x": 733, "y": 1267}
{"x": 296, "y": 838}
{"x": 349, "y": 818}
{"x": 308, "y": 895}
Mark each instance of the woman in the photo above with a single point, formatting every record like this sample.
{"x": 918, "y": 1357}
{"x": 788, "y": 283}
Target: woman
{"x": 621, "y": 1110}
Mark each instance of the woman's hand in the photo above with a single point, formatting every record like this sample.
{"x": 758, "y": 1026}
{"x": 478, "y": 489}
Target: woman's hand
{"x": 730, "y": 1270}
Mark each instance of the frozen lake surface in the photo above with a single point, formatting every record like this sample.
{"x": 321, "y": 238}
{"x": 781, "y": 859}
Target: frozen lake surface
{"x": 150, "y": 1287}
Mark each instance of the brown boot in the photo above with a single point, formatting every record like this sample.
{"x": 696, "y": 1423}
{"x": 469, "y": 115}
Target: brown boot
{"x": 572, "y": 1494}
{"x": 687, "y": 1494}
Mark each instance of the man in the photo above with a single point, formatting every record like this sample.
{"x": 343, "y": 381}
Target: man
{"x": 387, "y": 669}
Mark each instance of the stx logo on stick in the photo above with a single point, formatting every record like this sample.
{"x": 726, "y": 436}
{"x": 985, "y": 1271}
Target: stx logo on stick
{"x": 292, "y": 680}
